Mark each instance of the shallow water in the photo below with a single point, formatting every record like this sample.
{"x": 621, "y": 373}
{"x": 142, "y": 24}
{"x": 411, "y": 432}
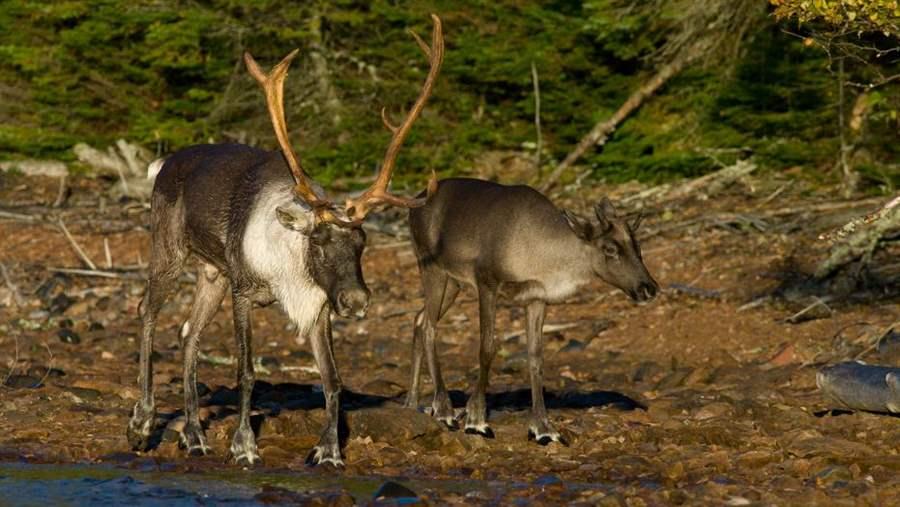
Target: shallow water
{"x": 41, "y": 485}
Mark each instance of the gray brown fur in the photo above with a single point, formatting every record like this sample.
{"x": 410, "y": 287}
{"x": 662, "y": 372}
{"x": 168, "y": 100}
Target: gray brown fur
{"x": 232, "y": 208}
{"x": 511, "y": 240}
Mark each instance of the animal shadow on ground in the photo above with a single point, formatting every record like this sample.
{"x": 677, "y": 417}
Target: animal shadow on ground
{"x": 520, "y": 399}
{"x": 271, "y": 400}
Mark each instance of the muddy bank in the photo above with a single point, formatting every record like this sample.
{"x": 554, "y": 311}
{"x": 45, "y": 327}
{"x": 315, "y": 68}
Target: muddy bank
{"x": 707, "y": 395}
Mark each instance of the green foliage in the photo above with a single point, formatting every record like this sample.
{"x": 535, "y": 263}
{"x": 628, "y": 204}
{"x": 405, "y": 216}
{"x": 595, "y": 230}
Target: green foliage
{"x": 166, "y": 73}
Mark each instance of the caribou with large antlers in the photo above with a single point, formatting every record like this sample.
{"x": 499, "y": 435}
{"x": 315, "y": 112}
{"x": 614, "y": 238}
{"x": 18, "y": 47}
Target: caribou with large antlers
{"x": 256, "y": 222}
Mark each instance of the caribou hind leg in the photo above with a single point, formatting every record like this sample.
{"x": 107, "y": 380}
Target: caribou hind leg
{"x": 166, "y": 264}
{"x": 328, "y": 450}
{"x": 440, "y": 292}
{"x": 211, "y": 287}
{"x": 448, "y": 293}
{"x": 476, "y": 408}
{"x": 539, "y": 428}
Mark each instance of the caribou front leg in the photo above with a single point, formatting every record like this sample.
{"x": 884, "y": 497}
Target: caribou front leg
{"x": 243, "y": 445}
{"x": 539, "y": 428}
{"x": 328, "y": 450}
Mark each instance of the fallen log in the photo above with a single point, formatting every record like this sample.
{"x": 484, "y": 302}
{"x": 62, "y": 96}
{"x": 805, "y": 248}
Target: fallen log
{"x": 859, "y": 238}
{"x": 859, "y": 386}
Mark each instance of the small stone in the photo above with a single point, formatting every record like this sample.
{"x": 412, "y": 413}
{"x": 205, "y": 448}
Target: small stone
{"x": 23, "y": 382}
{"x": 66, "y": 335}
{"x": 79, "y": 308}
{"x": 59, "y": 304}
{"x": 393, "y": 490}
{"x": 38, "y": 315}
{"x": 107, "y": 355}
{"x": 573, "y": 346}
{"x": 42, "y": 371}
{"x": 269, "y": 362}
{"x": 302, "y": 355}
{"x": 547, "y": 480}
{"x": 154, "y": 356}
{"x": 84, "y": 393}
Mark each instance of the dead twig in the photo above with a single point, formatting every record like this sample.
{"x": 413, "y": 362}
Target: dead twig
{"x": 49, "y": 366}
{"x": 63, "y": 193}
{"x": 537, "y": 118}
{"x": 109, "y": 263}
{"x": 817, "y": 302}
{"x": 12, "y": 362}
{"x": 17, "y": 296}
{"x": 87, "y": 260}
{"x": 96, "y": 273}
{"x": 875, "y": 340}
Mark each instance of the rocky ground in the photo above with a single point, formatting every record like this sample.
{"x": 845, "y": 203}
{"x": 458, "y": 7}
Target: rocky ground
{"x": 706, "y": 396}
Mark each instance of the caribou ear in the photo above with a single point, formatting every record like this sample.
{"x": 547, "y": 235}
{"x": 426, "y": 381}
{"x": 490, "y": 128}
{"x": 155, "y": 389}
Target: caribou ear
{"x": 605, "y": 212}
{"x": 636, "y": 223}
{"x": 296, "y": 217}
{"x": 580, "y": 225}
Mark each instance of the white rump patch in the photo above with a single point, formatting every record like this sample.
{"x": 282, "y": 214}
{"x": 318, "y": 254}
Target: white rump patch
{"x": 155, "y": 167}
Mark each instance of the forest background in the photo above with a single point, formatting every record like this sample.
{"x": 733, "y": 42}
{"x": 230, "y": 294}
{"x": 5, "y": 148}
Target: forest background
{"x": 807, "y": 87}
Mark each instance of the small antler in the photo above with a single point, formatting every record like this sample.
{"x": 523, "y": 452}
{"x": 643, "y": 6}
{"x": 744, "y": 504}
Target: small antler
{"x": 378, "y": 194}
{"x": 273, "y": 85}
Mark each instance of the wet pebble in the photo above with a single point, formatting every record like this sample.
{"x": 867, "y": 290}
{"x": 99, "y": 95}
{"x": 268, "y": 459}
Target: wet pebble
{"x": 23, "y": 382}
{"x": 59, "y": 304}
{"x": 154, "y": 356}
{"x": 515, "y": 363}
{"x": 66, "y": 335}
{"x": 38, "y": 315}
{"x": 301, "y": 355}
{"x": 79, "y": 308}
{"x": 84, "y": 393}
{"x": 391, "y": 490}
{"x": 41, "y": 372}
{"x": 274, "y": 495}
{"x": 269, "y": 362}
{"x": 573, "y": 346}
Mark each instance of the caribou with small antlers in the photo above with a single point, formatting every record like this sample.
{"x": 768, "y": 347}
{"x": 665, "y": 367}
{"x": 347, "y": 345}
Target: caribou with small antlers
{"x": 257, "y": 223}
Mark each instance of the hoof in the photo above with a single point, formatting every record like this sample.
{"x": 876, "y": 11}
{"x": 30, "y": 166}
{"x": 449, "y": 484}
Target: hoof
{"x": 547, "y": 438}
{"x": 449, "y": 422}
{"x": 197, "y": 450}
{"x": 194, "y": 441}
{"x": 247, "y": 459}
{"x": 482, "y": 429}
{"x": 243, "y": 448}
{"x": 321, "y": 456}
{"x": 140, "y": 427}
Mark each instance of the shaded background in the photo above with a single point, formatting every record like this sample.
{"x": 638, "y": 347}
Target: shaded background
{"x": 167, "y": 74}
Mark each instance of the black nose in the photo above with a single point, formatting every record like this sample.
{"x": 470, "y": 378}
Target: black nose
{"x": 352, "y": 302}
{"x": 647, "y": 291}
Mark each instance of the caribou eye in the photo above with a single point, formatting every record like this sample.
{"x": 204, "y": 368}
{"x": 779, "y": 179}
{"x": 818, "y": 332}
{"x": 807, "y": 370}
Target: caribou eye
{"x": 611, "y": 250}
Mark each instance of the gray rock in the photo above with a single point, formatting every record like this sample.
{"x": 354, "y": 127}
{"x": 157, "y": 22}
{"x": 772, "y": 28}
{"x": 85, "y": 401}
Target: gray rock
{"x": 391, "y": 424}
{"x": 860, "y": 386}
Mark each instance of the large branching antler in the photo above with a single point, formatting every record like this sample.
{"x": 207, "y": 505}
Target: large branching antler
{"x": 378, "y": 193}
{"x": 273, "y": 85}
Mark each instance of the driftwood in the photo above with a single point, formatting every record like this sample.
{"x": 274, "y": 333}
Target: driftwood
{"x": 858, "y": 386}
{"x": 859, "y": 238}
{"x": 50, "y": 168}
{"x": 126, "y": 161}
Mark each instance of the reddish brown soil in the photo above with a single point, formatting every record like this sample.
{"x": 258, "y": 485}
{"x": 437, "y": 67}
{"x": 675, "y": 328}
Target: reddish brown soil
{"x": 732, "y": 413}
